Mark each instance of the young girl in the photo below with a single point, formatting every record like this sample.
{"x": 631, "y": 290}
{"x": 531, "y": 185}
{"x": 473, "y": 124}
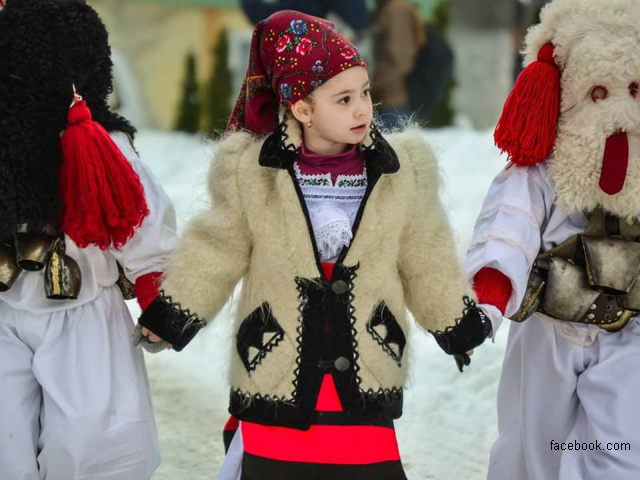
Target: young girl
{"x": 74, "y": 395}
{"x": 334, "y": 232}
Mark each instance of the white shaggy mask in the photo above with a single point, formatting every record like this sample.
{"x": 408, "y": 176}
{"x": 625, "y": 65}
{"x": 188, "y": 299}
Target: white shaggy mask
{"x": 596, "y": 159}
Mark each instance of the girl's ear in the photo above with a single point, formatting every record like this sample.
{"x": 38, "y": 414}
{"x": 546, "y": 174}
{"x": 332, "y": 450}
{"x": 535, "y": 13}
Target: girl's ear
{"x": 301, "y": 111}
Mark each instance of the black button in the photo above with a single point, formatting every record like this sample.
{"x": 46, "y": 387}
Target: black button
{"x": 339, "y": 287}
{"x": 342, "y": 364}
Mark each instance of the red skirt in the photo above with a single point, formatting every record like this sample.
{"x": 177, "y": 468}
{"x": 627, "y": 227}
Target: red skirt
{"x": 334, "y": 447}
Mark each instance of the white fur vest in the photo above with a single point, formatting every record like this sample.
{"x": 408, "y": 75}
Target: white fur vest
{"x": 293, "y": 325}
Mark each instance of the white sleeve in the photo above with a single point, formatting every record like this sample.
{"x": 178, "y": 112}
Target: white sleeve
{"x": 155, "y": 240}
{"x": 507, "y": 235}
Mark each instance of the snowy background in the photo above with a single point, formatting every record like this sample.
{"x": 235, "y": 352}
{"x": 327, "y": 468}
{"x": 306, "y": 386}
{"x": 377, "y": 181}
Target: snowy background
{"x": 449, "y": 420}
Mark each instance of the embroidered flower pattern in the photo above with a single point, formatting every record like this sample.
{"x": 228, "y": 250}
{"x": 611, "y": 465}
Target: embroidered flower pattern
{"x": 356, "y": 182}
{"x": 348, "y": 53}
{"x": 304, "y": 50}
{"x": 352, "y": 53}
{"x": 304, "y": 46}
{"x": 285, "y": 91}
{"x": 271, "y": 36}
{"x": 293, "y": 63}
{"x": 318, "y": 68}
{"x": 284, "y": 43}
{"x": 314, "y": 182}
{"x": 324, "y": 180}
{"x": 298, "y": 27}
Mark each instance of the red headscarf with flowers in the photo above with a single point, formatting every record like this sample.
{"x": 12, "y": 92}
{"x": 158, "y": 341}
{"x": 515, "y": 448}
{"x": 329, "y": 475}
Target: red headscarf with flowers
{"x": 291, "y": 55}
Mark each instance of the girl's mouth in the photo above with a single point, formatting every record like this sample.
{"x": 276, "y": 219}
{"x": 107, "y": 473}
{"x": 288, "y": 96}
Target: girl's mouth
{"x": 360, "y": 129}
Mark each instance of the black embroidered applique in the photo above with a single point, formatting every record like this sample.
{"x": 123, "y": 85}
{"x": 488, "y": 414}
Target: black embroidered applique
{"x": 385, "y": 329}
{"x": 258, "y": 335}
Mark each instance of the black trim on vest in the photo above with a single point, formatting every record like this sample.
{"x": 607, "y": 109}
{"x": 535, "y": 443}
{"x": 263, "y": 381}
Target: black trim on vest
{"x": 251, "y": 334}
{"x": 392, "y": 335}
{"x": 170, "y": 322}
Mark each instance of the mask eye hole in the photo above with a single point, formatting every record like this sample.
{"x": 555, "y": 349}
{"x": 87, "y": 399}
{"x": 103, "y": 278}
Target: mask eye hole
{"x": 634, "y": 89}
{"x": 598, "y": 93}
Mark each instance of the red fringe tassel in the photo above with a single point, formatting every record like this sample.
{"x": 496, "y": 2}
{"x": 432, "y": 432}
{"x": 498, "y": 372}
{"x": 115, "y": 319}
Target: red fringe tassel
{"x": 527, "y": 129}
{"x": 102, "y": 195}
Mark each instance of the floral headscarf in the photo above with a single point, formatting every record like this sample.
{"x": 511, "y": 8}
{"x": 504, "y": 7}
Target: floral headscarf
{"x": 291, "y": 55}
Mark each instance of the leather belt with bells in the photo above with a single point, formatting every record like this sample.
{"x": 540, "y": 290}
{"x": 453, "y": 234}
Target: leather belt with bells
{"x": 32, "y": 250}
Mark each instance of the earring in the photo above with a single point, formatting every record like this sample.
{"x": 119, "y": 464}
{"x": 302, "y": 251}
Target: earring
{"x": 309, "y": 125}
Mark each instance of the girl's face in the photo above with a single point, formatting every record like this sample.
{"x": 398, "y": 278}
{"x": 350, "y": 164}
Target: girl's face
{"x": 340, "y": 113}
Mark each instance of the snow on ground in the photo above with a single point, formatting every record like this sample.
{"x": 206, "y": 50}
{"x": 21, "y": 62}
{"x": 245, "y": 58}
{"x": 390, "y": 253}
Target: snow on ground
{"x": 449, "y": 420}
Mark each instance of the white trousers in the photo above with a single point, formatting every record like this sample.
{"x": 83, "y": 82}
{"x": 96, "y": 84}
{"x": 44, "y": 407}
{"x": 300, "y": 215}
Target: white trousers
{"x": 553, "y": 390}
{"x": 74, "y": 395}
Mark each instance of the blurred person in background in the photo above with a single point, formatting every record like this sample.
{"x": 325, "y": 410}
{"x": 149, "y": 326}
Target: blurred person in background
{"x": 526, "y": 14}
{"x": 353, "y": 12}
{"x": 398, "y": 35}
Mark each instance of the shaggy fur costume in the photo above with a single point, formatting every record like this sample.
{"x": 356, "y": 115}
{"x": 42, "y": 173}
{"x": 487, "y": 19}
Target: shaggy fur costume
{"x": 41, "y": 56}
{"x": 589, "y": 55}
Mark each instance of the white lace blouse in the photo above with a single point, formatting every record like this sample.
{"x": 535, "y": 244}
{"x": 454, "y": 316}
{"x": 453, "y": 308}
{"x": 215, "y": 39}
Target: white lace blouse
{"x": 332, "y": 208}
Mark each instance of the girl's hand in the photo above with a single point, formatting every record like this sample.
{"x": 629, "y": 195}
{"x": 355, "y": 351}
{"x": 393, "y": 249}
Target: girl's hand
{"x": 153, "y": 338}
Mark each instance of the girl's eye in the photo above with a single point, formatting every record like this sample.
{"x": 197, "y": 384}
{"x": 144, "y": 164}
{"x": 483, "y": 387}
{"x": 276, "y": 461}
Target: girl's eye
{"x": 367, "y": 92}
{"x": 634, "y": 88}
{"x": 599, "y": 92}
{"x": 344, "y": 100}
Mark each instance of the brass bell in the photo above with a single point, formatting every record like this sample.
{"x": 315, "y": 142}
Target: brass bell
{"x": 33, "y": 247}
{"x": 62, "y": 277}
{"x": 9, "y": 269}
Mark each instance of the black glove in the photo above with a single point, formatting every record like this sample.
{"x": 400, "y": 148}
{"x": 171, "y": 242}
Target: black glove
{"x": 170, "y": 322}
{"x": 469, "y": 332}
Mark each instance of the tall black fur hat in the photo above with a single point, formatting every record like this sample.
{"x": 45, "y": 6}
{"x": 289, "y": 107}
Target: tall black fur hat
{"x": 46, "y": 47}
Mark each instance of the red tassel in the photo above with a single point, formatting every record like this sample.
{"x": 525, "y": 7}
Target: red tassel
{"x": 528, "y": 127}
{"x": 102, "y": 195}
{"x": 492, "y": 287}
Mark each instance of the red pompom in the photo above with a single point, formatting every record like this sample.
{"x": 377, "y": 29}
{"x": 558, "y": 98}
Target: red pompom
{"x": 528, "y": 126}
{"x": 102, "y": 195}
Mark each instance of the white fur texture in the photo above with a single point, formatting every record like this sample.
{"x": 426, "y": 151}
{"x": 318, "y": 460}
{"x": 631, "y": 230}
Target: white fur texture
{"x": 256, "y": 231}
{"x": 596, "y": 44}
